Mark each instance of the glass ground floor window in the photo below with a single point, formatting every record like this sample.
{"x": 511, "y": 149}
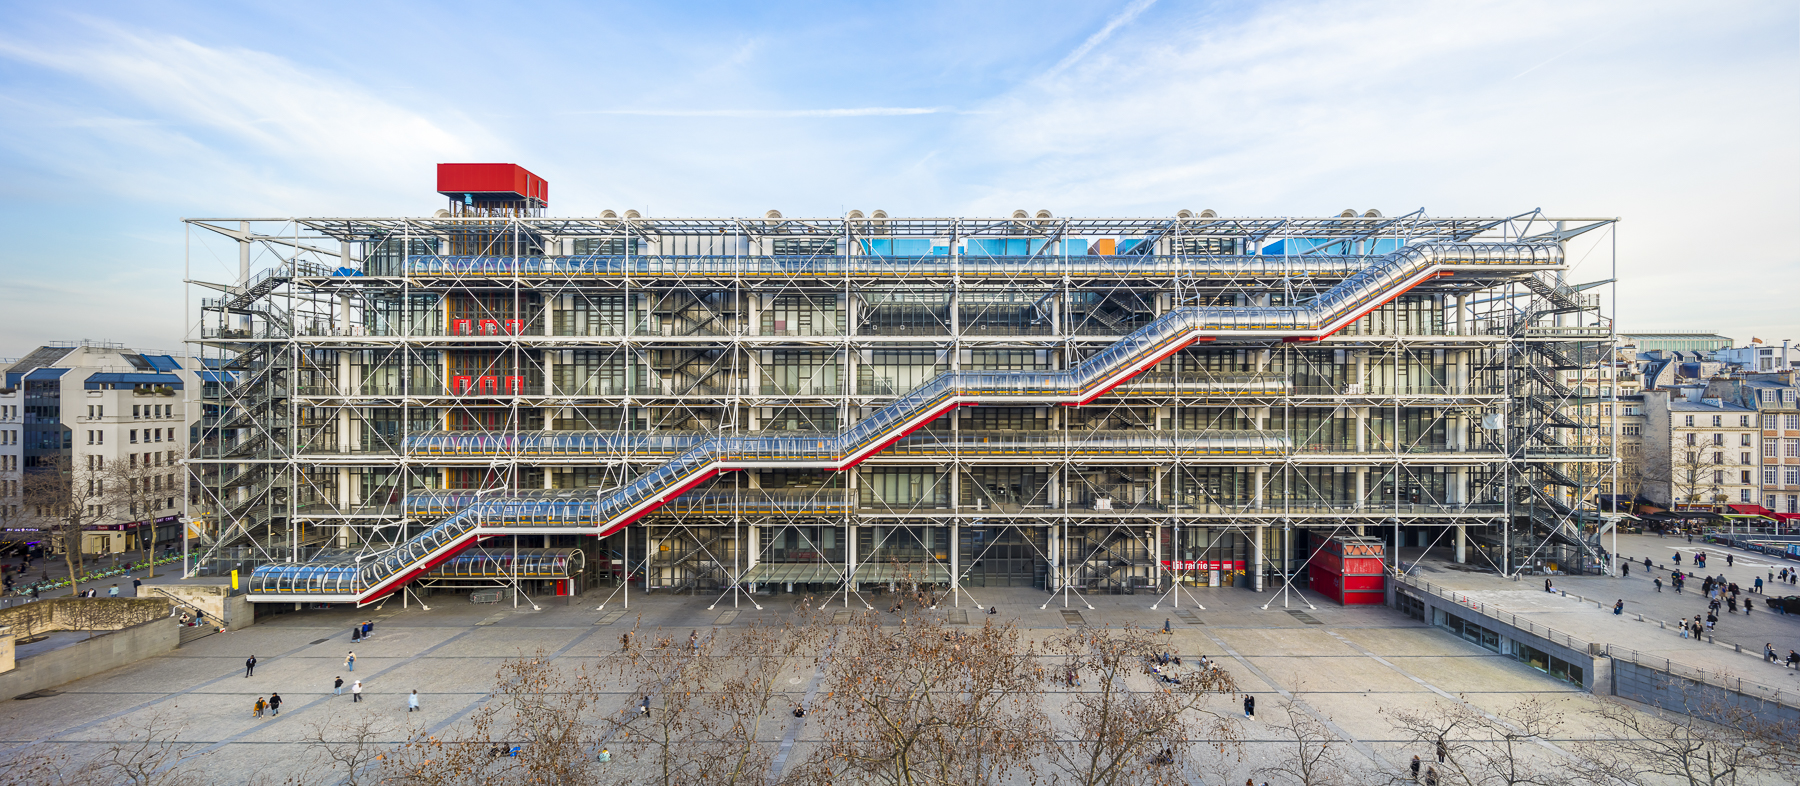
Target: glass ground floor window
{"x": 1549, "y": 664}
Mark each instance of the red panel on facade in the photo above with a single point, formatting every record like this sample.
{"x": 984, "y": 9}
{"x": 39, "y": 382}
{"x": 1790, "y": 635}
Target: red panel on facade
{"x": 491, "y": 182}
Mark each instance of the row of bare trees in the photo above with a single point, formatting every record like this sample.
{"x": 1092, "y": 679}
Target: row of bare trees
{"x": 69, "y": 496}
{"x": 808, "y": 704}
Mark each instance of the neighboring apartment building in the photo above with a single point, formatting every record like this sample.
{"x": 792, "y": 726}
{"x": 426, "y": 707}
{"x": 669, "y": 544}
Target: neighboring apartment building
{"x": 1773, "y": 396}
{"x": 95, "y": 405}
{"x": 1759, "y": 358}
{"x": 12, "y": 452}
{"x": 836, "y": 404}
{"x": 1699, "y": 450}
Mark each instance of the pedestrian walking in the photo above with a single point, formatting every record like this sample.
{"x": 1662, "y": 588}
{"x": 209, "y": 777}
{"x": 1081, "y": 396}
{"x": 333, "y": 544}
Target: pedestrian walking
{"x": 350, "y": 661}
{"x": 1757, "y": 588}
{"x": 1627, "y": 568}
{"x": 625, "y": 641}
{"x": 1659, "y": 584}
{"x": 1746, "y": 607}
{"x": 337, "y": 686}
{"x": 274, "y": 704}
{"x": 1619, "y": 607}
{"x": 368, "y": 628}
{"x": 356, "y": 691}
{"x": 1250, "y": 707}
{"x": 250, "y": 667}
{"x": 412, "y": 702}
{"x": 1415, "y": 767}
{"x": 1431, "y": 778}
{"x": 1166, "y": 626}
{"x": 112, "y": 591}
{"x": 1728, "y": 560}
{"x": 1443, "y": 750}
{"x": 694, "y": 640}
{"x": 644, "y": 707}
{"x": 256, "y": 710}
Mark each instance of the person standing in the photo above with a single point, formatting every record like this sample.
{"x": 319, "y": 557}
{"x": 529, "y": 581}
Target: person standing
{"x": 136, "y": 586}
{"x": 1443, "y": 750}
{"x": 355, "y": 633}
{"x": 368, "y": 628}
{"x": 412, "y": 702}
{"x": 1757, "y": 588}
{"x": 256, "y": 710}
{"x": 1250, "y": 707}
{"x": 644, "y": 707}
{"x": 1746, "y": 607}
{"x": 274, "y": 704}
{"x": 1415, "y": 767}
{"x": 1728, "y": 560}
{"x": 350, "y": 661}
{"x": 1659, "y": 584}
{"x": 356, "y": 691}
{"x": 337, "y": 687}
{"x": 249, "y": 667}
{"x": 112, "y": 591}
{"x": 1627, "y": 568}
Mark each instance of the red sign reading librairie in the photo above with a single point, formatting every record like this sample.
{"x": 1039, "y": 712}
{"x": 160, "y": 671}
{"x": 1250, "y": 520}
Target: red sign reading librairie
{"x": 1201, "y": 564}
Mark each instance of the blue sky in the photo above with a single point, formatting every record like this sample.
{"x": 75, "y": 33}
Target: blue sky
{"x": 118, "y": 119}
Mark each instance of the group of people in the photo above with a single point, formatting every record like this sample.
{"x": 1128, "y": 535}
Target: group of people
{"x": 363, "y": 631}
{"x": 272, "y": 704}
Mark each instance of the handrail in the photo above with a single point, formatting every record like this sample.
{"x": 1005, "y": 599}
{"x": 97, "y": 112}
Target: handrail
{"x": 1359, "y": 292}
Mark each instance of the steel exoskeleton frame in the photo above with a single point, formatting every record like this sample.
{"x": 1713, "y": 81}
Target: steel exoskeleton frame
{"x": 349, "y": 347}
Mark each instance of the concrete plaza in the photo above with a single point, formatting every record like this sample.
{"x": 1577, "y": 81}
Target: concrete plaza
{"x": 1341, "y": 665}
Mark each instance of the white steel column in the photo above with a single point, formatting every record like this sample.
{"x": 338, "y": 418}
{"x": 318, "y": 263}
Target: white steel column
{"x": 1256, "y": 560}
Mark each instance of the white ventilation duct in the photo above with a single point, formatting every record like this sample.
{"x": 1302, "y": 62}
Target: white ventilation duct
{"x": 1208, "y": 213}
{"x": 1184, "y": 213}
{"x": 632, "y": 214}
{"x": 608, "y": 214}
{"x": 855, "y": 214}
{"x": 1347, "y": 214}
{"x": 1371, "y": 213}
{"x": 772, "y": 214}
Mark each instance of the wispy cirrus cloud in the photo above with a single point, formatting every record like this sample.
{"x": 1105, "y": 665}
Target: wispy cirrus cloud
{"x": 869, "y": 111}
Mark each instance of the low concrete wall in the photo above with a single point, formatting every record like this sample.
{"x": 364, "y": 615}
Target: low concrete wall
{"x": 54, "y": 614}
{"x": 1511, "y": 638}
{"x": 1656, "y": 687}
{"x": 101, "y": 653}
{"x": 214, "y": 600}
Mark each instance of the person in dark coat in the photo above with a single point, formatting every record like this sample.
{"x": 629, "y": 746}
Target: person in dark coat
{"x": 250, "y": 666}
{"x": 1250, "y": 707}
{"x": 274, "y": 704}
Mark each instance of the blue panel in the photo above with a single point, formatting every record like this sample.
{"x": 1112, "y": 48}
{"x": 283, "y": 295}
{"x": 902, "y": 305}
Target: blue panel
{"x": 912, "y": 247}
{"x": 94, "y": 381}
{"x": 1075, "y": 248}
{"x": 987, "y": 246}
{"x": 1127, "y": 245}
{"x": 1386, "y": 246}
{"x": 45, "y": 374}
{"x": 878, "y": 247}
{"x": 941, "y": 251}
{"x": 161, "y": 362}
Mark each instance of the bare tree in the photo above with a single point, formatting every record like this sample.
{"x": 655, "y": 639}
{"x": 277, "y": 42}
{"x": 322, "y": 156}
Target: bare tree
{"x": 149, "y": 753}
{"x": 1482, "y": 749}
{"x": 1707, "y": 741}
{"x": 68, "y": 496}
{"x": 919, "y": 703}
{"x": 352, "y": 743}
{"x": 1132, "y": 720}
{"x": 1312, "y": 754}
{"x": 747, "y": 699}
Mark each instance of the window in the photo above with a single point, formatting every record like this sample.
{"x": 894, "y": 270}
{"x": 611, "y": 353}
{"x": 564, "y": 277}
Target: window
{"x": 1718, "y": 458}
{"x": 1632, "y": 431}
{"x": 1718, "y": 478}
{"x": 1743, "y": 458}
{"x": 1768, "y": 421}
{"x": 1744, "y": 439}
{"x": 1793, "y": 503}
{"x": 1744, "y": 420}
{"x": 1692, "y": 438}
{"x": 1792, "y": 476}
{"x": 1605, "y": 409}
{"x": 1689, "y": 420}
{"x": 1691, "y": 459}
{"x": 1718, "y": 420}
{"x": 134, "y": 411}
{"x": 1744, "y": 477}
{"x": 134, "y": 436}
{"x": 1791, "y": 421}
{"x": 1793, "y": 448}
{"x": 1770, "y": 446}
{"x": 1743, "y": 495}
{"x": 1787, "y": 396}
{"x": 1768, "y": 476}
{"x": 1718, "y": 439}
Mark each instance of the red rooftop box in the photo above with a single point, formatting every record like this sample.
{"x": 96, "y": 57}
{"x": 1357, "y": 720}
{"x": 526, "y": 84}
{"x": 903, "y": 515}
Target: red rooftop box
{"x": 492, "y": 183}
{"x": 1349, "y": 569}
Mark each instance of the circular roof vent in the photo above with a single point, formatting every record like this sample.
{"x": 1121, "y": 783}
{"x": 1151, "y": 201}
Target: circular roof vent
{"x": 1371, "y": 213}
{"x": 1347, "y": 214}
{"x": 855, "y": 214}
{"x": 1208, "y": 213}
{"x": 608, "y": 214}
{"x": 632, "y": 214}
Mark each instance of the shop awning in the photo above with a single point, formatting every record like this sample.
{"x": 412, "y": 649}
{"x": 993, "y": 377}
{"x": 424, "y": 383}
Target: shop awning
{"x": 794, "y": 572}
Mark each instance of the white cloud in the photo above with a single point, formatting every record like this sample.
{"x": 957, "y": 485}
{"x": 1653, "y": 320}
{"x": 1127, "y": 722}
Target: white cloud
{"x": 872, "y": 111}
{"x": 243, "y": 127}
